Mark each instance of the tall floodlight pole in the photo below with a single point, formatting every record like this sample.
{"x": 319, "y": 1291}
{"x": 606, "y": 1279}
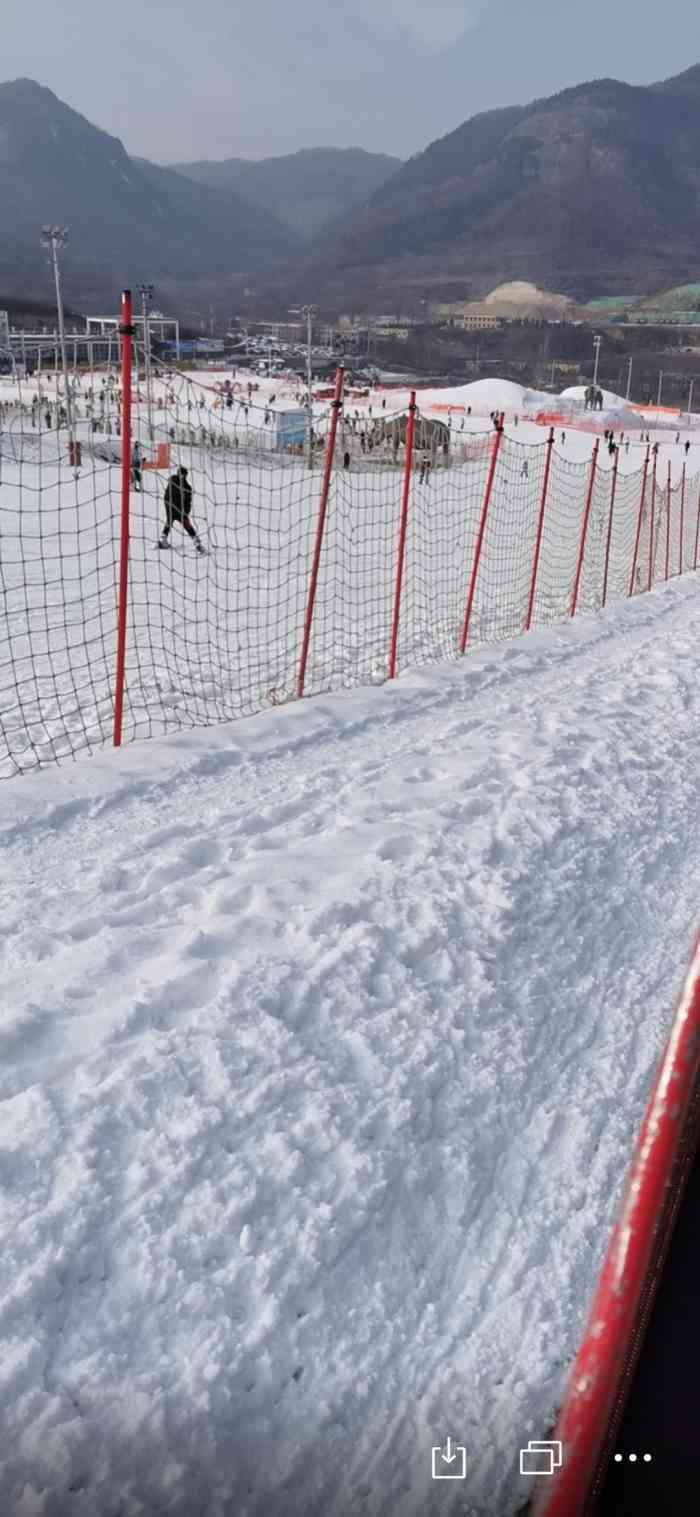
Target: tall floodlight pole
{"x": 661, "y": 385}
{"x": 690, "y": 398}
{"x": 55, "y": 237}
{"x": 596, "y": 348}
{"x": 146, "y": 291}
{"x": 309, "y": 312}
{"x": 629, "y": 379}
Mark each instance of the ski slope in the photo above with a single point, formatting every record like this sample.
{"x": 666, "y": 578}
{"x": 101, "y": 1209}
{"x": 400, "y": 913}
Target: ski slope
{"x": 325, "y": 1038}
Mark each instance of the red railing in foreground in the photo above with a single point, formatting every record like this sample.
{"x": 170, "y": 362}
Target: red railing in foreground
{"x": 603, "y": 1369}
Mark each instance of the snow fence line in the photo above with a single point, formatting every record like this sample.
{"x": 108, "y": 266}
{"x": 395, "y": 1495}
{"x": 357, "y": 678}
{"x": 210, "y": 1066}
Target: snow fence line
{"x": 603, "y": 1370}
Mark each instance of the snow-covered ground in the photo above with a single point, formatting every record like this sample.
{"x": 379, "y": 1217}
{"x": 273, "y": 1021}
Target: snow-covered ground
{"x": 325, "y": 1038}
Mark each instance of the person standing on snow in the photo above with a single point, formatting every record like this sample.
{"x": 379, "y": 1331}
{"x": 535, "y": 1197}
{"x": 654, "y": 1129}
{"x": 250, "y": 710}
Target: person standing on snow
{"x": 178, "y": 507}
{"x": 136, "y": 465}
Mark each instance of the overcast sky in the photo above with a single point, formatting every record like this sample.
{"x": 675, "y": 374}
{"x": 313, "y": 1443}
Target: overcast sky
{"x": 251, "y": 78}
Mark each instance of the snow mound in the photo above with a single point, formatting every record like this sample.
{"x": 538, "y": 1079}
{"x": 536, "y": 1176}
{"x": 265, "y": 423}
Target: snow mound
{"x": 611, "y": 401}
{"x": 484, "y": 396}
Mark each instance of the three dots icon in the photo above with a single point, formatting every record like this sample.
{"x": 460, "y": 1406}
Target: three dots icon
{"x": 646, "y": 1458}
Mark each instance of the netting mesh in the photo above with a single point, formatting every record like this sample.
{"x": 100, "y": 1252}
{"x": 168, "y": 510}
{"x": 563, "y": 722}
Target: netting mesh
{"x": 216, "y": 635}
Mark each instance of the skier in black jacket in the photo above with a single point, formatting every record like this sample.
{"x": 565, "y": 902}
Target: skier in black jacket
{"x": 178, "y": 507}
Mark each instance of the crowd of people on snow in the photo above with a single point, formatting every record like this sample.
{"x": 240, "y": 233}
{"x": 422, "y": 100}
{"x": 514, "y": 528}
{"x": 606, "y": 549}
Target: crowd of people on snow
{"x": 231, "y": 415}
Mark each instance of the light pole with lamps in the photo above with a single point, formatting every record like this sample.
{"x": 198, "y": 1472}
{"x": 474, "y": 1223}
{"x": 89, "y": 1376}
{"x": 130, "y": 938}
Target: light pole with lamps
{"x": 629, "y": 379}
{"x": 146, "y": 291}
{"x": 55, "y": 237}
{"x": 596, "y": 348}
{"x": 309, "y": 312}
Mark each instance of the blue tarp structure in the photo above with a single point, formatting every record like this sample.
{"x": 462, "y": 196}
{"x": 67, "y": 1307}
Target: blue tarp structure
{"x": 291, "y": 428}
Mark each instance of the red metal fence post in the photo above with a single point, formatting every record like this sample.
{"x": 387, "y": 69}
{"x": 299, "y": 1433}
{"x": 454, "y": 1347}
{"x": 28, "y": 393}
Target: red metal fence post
{"x": 325, "y": 487}
{"x": 584, "y": 529}
{"x": 127, "y": 332}
{"x": 540, "y": 527}
{"x": 408, "y": 464}
{"x": 680, "y": 544}
{"x": 668, "y": 520}
{"x": 635, "y": 555}
{"x": 613, "y": 492}
{"x": 482, "y": 528}
{"x": 697, "y": 536}
{"x": 650, "y": 574}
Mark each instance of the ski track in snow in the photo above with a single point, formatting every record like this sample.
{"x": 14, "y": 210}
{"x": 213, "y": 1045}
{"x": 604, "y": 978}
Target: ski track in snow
{"x": 324, "y": 1044}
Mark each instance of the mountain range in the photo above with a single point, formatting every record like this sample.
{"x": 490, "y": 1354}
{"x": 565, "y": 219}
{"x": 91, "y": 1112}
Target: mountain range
{"x": 305, "y": 191}
{"x": 595, "y": 189}
{"x": 129, "y": 220}
{"x": 592, "y": 190}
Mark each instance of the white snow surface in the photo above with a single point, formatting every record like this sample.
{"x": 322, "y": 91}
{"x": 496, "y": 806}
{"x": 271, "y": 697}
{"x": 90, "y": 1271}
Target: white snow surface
{"x": 611, "y": 401}
{"x": 325, "y": 1041}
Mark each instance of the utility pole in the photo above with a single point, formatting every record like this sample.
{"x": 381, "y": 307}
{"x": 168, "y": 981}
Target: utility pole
{"x": 55, "y": 237}
{"x": 661, "y": 383}
{"x": 596, "y": 348}
{"x": 629, "y": 379}
{"x": 146, "y": 298}
{"x": 554, "y": 365}
{"x": 690, "y": 398}
{"x": 309, "y": 312}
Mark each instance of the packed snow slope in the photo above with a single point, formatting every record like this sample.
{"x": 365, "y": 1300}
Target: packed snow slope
{"x": 325, "y": 1040}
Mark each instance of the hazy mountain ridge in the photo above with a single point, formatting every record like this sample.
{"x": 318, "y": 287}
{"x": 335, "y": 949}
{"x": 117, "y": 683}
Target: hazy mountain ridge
{"x": 306, "y": 190}
{"x": 128, "y": 219}
{"x": 593, "y": 188}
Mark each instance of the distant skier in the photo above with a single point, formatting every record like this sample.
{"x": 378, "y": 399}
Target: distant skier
{"x": 136, "y": 465}
{"x": 687, "y": 447}
{"x": 178, "y": 507}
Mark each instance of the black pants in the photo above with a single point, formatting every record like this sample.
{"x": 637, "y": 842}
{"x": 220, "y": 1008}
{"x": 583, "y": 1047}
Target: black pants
{"x": 172, "y": 514}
